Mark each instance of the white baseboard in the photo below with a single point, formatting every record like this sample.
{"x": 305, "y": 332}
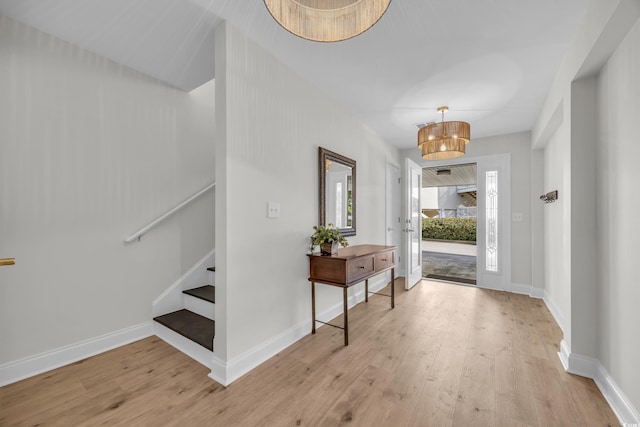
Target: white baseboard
{"x": 627, "y": 413}
{"x": 491, "y": 287}
{"x": 563, "y": 354}
{"x": 43, "y": 362}
{"x": 226, "y": 373}
{"x": 249, "y": 360}
{"x": 554, "y": 309}
{"x": 576, "y": 363}
{"x": 536, "y": 292}
{"x": 218, "y": 371}
{"x": 521, "y": 288}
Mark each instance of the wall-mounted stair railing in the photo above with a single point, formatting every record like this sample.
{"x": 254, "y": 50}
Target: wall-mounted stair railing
{"x": 138, "y": 234}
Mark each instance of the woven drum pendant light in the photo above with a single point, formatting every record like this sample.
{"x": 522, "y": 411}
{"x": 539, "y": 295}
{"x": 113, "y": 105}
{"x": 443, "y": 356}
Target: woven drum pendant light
{"x": 327, "y": 20}
{"x": 444, "y": 140}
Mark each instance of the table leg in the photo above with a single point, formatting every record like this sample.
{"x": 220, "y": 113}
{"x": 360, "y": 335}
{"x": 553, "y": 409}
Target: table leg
{"x": 313, "y": 307}
{"x": 366, "y": 290}
{"x": 393, "y": 287}
{"x": 346, "y": 318}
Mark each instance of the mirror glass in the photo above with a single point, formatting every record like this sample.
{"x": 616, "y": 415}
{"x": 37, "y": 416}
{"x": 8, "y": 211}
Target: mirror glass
{"x": 337, "y": 191}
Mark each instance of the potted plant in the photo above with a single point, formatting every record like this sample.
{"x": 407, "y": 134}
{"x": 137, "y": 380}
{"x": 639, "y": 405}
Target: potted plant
{"x": 328, "y": 238}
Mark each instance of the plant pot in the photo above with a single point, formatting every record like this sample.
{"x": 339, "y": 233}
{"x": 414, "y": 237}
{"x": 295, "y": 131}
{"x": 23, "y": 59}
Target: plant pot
{"x": 329, "y": 248}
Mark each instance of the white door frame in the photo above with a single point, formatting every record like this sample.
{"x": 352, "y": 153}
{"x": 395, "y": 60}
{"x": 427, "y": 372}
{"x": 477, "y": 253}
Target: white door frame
{"x": 501, "y": 162}
{"x": 393, "y": 211}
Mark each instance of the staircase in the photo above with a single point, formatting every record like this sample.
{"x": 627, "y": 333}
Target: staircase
{"x": 191, "y": 328}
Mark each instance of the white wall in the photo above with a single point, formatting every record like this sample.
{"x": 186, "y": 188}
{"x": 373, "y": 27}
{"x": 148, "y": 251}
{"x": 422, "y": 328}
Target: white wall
{"x": 537, "y": 221}
{"x": 583, "y": 247}
{"x": 518, "y": 145}
{"x": 589, "y": 275}
{"x": 274, "y": 122}
{"x": 618, "y": 229}
{"x": 557, "y": 221}
{"x": 429, "y": 198}
{"x": 90, "y": 151}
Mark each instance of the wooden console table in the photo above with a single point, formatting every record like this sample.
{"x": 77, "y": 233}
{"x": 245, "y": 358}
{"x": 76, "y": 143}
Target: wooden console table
{"x": 350, "y": 266}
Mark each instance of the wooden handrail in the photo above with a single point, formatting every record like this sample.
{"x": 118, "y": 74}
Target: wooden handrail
{"x": 138, "y": 234}
{"x": 7, "y": 261}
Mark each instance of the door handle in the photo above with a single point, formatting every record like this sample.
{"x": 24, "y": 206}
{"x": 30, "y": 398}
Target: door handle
{"x": 7, "y": 261}
{"x": 389, "y": 228}
{"x": 409, "y": 230}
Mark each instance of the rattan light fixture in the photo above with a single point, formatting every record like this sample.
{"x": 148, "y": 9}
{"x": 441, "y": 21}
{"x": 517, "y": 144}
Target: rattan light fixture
{"x": 444, "y": 140}
{"x": 327, "y": 20}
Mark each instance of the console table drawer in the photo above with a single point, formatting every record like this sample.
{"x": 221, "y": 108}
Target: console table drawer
{"x": 328, "y": 269}
{"x": 360, "y": 267}
{"x": 384, "y": 261}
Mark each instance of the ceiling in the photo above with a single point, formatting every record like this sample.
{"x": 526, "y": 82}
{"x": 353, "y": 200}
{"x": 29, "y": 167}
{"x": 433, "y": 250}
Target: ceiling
{"x": 491, "y": 61}
{"x": 459, "y": 175}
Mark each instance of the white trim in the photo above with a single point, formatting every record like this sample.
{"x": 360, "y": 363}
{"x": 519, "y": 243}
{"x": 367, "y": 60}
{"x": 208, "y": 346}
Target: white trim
{"x": 521, "y": 288}
{"x": 491, "y": 287}
{"x": 563, "y": 354}
{"x": 249, "y": 360}
{"x": 218, "y": 371}
{"x": 536, "y": 292}
{"x": 387, "y": 199}
{"x": 580, "y": 365}
{"x": 43, "y": 362}
{"x": 184, "y": 345}
{"x": 199, "y": 306}
{"x": 627, "y": 414}
{"x": 226, "y": 373}
{"x": 171, "y": 299}
{"x": 554, "y": 309}
{"x": 592, "y": 368}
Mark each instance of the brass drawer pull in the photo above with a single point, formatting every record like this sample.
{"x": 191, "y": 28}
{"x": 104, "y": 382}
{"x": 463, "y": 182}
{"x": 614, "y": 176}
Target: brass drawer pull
{"x": 7, "y": 261}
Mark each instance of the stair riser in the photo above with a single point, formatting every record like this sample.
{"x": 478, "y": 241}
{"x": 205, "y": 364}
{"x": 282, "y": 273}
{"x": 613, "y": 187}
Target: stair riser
{"x": 185, "y": 345}
{"x": 171, "y": 299}
{"x": 199, "y": 306}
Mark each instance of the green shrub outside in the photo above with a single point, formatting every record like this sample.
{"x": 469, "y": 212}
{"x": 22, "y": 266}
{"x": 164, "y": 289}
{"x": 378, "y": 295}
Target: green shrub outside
{"x": 449, "y": 229}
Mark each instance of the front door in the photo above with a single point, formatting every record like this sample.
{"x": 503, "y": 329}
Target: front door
{"x": 494, "y": 223}
{"x": 412, "y": 226}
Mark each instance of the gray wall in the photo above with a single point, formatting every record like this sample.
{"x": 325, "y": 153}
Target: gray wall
{"x": 618, "y": 229}
{"x": 518, "y": 146}
{"x": 588, "y": 130}
{"x": 261, "y": 262}
{"x": 90, "y": 152}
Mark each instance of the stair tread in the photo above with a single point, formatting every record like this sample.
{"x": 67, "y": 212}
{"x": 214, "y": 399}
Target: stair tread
{"x": 207, "y": 293}
{"x": 190, "y": 325}
{"x": 211, "y": 269}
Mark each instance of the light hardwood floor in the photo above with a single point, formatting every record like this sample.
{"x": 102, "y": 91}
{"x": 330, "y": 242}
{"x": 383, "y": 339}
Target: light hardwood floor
{"x": 447, "y": 355}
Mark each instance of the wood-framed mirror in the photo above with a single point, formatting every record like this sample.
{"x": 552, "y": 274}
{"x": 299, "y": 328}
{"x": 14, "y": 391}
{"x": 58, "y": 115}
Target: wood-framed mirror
{"x": 337, "y": 193}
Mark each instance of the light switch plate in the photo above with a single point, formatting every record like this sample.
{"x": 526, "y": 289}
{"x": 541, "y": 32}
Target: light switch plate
{"x": 273, "y": 210}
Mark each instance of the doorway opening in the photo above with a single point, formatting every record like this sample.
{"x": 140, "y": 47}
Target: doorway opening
{"x": 449, "y": 223}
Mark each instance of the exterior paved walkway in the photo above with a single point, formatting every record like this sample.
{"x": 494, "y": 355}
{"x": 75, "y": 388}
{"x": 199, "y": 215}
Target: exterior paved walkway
{"x": 449, "y": 248}
{"x": 449, "y": 261}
